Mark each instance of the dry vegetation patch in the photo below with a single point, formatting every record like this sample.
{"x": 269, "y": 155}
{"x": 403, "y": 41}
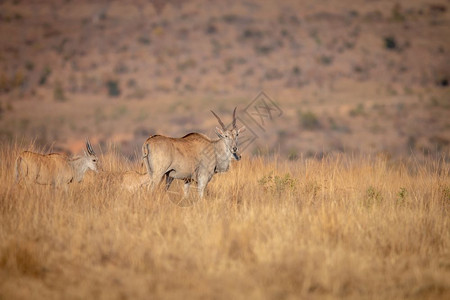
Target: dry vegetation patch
{"x": 337, "y": 227}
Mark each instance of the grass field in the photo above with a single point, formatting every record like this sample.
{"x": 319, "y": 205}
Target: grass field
{"x": 369, "y": 80}
{"x": 340, "y": 227}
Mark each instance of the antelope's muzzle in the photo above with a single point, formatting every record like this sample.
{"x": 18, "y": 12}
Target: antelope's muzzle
{"x": 237, "y": 155}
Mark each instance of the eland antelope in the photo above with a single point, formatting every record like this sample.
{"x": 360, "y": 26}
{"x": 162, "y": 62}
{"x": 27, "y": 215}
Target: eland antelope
{"x": 130, "y": 181}
{"x": 55, "y": 169}
{"x": 193, "y": 157}
{"x": 133, "y": 181}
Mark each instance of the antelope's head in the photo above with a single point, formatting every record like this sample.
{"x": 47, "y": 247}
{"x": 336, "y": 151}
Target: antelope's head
{"x": 230, "y": 136}
{"x": 91, "y": 157}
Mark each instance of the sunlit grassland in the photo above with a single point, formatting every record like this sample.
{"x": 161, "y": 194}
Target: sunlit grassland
{"x": 340, "y": 227}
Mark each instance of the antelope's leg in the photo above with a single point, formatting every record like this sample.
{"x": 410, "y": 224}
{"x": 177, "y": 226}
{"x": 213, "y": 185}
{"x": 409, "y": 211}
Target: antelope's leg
{"x": 187, "y": 184}
{"x": 202, "y": 182}
{"x": 168, "y": 181}
{"x": 157, "y": 178}
{"x": 201, "y": 189}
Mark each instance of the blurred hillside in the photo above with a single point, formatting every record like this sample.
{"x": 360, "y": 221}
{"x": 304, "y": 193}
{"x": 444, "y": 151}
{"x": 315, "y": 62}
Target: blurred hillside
{"x": 355, "y": 76}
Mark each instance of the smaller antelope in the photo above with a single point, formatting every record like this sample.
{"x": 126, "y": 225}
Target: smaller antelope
{"x": 55, "y": 169}
{"x": 130, "y": 181}
{"x": 133, "y": 181}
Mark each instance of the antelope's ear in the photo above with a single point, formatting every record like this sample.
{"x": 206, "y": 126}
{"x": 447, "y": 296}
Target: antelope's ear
{"x": 242, "y": 129}
{"x": 219, "y": 132}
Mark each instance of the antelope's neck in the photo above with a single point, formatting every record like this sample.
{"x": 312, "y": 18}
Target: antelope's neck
{"x": 78, "y": 168}
{"x": 223, "y": 156}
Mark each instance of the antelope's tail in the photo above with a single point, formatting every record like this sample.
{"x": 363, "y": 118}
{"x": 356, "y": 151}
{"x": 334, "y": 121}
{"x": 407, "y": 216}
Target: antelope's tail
{"x": 146, "y": 158}
{"x": 17, "y": 169}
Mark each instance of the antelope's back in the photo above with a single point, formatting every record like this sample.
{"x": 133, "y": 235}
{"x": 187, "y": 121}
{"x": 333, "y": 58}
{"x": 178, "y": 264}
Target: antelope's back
{"x": 28, "y": 164}
{"x": 34, "y": 162}
{"x": 53, "y": 168}
{"x": 190, "y": 145}
{"x": 133, "y": 180}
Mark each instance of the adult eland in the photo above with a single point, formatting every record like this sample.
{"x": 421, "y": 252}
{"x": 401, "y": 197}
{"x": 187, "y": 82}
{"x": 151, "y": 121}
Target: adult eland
{"x": 193, "y": 157}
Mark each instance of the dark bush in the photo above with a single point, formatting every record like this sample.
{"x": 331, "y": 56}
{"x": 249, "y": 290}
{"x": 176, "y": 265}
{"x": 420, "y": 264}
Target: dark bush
{"x": 58, "y": 92}
{"x": 113, "y": 88}
{"x": 308, "y": 120}
{"x": 44, "y": 75}
{"x": 390, "y": 43}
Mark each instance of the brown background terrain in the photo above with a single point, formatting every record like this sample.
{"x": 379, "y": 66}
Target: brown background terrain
{"x": 349, "y": 78}
{"x": 353, "y": 76}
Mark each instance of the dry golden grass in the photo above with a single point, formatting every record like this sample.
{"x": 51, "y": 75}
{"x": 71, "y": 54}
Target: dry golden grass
{"x": 342, "y": 227}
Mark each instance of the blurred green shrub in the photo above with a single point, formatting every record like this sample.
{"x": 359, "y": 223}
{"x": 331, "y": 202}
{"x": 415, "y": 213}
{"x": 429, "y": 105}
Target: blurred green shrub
{"x": 308, "y": 120}
{"x": 113, "y": 88}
